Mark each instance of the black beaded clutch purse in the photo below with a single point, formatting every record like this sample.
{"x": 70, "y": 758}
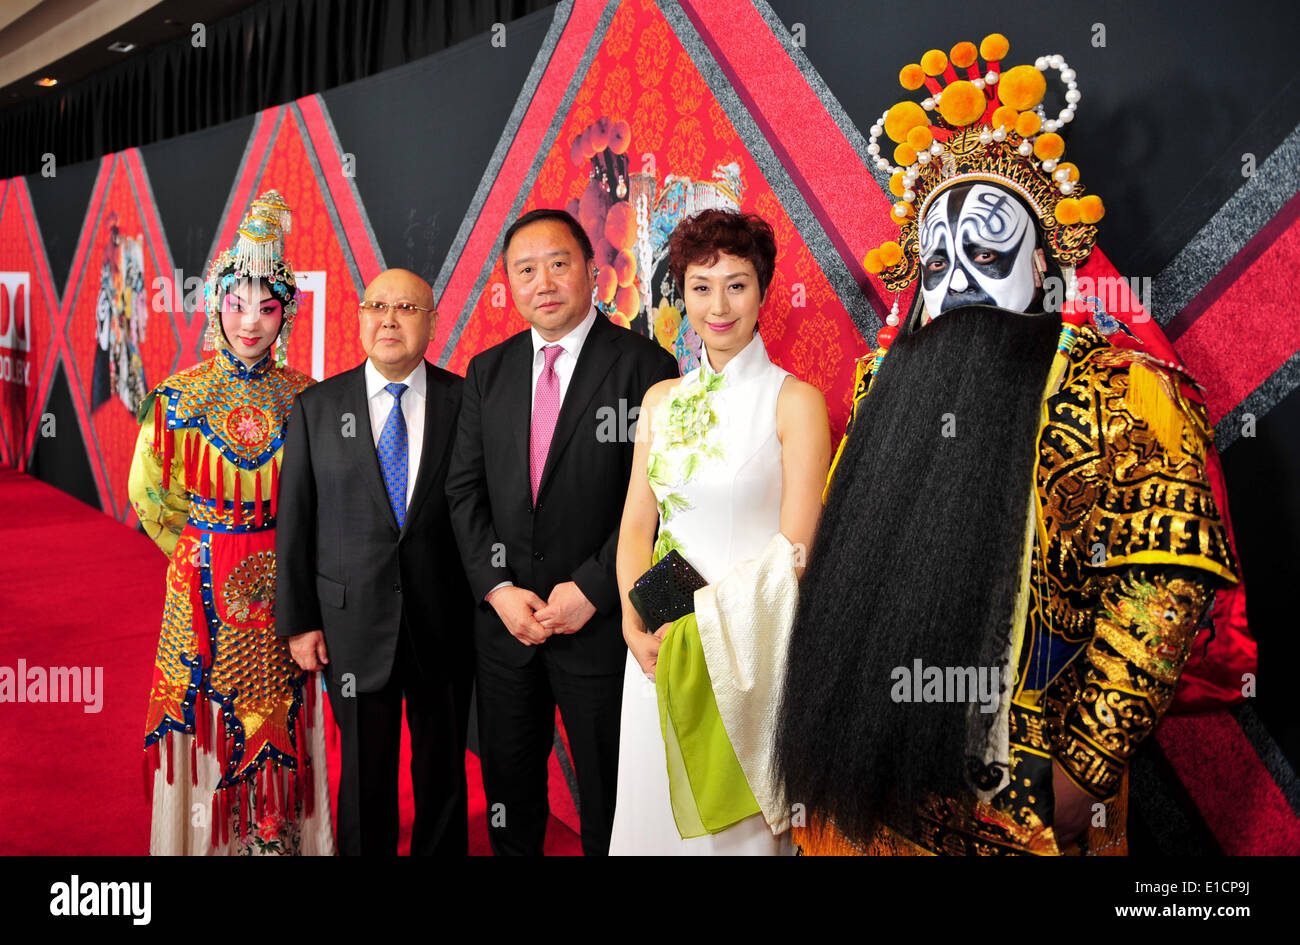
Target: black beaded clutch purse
{"x": 666, "y": 592}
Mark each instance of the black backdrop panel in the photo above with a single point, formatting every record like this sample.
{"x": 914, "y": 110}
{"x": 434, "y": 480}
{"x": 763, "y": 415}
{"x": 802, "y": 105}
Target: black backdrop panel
{"x": 191, "y": 177}
{"x": 423, "y": 134}
{"x": 1262, "y": 473}
{"x": 61, "y": 460}
{"x": 267, "y": 54}
{"x": 60, "y": 203}
{"x": 1168, "y": 106}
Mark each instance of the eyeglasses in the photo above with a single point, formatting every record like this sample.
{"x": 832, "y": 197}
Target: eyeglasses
{"x": 401, "y": 308}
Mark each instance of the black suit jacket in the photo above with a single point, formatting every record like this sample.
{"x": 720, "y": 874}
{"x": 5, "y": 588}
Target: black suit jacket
{"x": 343, "y": 565}
{"x": 572, "y": 532}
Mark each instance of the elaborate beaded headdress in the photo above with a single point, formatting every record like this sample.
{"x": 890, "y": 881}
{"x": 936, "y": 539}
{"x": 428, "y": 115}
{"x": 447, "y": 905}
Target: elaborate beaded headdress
{"x": 258, "y": 253}
{"x": 989, "y": 126}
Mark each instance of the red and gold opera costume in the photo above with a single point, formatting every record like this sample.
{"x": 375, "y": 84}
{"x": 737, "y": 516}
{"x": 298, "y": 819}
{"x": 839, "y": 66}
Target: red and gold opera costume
{"x": 233, "y": 727}
{"x": 1127, "y": 543}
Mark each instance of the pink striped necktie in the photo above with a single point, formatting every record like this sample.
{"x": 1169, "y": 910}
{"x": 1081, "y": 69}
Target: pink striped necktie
{"x": 546, "y": 409}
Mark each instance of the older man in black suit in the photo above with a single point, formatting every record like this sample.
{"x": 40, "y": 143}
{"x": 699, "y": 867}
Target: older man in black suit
{"x": 371, "y": 587}
{"x": 536, "y": 486}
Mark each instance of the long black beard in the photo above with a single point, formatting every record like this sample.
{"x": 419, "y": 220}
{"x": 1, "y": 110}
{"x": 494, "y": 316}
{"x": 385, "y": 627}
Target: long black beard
{"x": 917, "y": 557}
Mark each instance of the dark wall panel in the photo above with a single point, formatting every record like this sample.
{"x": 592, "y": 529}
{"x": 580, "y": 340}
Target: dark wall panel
{"x": 191, "y": 177}
{"x": 60, "y": 203}
{"x": 268, "y": 54}
{"x": 423, "y": 134}
{"x": 1170, "y": 104}
{"x": 61, "y": 459}
{"x": 1263, "y": 476}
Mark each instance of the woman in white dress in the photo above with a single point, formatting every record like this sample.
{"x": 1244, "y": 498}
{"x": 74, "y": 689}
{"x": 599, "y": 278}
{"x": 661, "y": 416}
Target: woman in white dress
{"x": 727, "y": 458}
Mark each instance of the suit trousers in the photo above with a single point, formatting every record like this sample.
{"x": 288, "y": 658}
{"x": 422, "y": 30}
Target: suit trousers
{"x": 371, "y": 727}
{"x": 516, "y": 725}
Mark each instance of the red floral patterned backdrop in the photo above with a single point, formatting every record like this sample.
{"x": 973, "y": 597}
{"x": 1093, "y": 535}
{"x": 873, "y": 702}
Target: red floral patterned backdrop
{"x": 642, "y": 76}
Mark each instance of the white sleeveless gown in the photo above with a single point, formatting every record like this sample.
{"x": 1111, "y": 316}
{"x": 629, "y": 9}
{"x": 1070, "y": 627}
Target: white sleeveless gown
{"x": 735, "y": 510}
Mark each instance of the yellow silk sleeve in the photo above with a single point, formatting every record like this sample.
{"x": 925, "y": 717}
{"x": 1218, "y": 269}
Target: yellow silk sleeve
{"x": 162, "y": 512}
{"x": 863, "y": 373}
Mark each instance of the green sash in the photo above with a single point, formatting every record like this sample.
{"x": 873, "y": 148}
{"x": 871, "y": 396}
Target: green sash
{"x": 708, "y": 788}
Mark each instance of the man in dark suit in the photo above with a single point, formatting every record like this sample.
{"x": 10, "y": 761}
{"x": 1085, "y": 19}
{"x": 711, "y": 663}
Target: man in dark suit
{"x": 371, "y": 587}
{"x": 536, "y": 486}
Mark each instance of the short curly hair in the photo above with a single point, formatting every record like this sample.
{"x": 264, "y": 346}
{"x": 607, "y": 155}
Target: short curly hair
{"x": 700, "y": 239}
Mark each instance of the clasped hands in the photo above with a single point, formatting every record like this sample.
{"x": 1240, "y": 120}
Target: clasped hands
{"x": 532, "y": 620}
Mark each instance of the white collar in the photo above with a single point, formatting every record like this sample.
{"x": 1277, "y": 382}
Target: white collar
{"x": 746, "y": 363}
{"x": 572, "y": 342}
{"x": 417, "y": 380}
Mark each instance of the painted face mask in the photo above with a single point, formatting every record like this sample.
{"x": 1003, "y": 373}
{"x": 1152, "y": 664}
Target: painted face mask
{"x": 977, "y": 244}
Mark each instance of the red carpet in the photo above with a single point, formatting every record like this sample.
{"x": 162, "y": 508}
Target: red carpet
{"x": 78, "y": 589}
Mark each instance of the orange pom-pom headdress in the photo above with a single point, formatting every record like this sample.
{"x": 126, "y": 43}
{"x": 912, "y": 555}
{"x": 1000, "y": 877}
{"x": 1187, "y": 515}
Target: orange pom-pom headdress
{"x": 989, "y": 126}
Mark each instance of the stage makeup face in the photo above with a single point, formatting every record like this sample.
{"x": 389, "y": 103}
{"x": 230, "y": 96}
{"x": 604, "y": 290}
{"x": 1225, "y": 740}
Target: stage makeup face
{"x": 550, "y": 280}
{"x": 722, "y": 303}
{"x": 251, "y": 319}
{"x": 977, "y": 244}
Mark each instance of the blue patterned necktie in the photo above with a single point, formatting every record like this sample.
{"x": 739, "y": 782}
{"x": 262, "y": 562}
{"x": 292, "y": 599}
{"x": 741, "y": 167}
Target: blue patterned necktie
{"x": 392, "y": 453}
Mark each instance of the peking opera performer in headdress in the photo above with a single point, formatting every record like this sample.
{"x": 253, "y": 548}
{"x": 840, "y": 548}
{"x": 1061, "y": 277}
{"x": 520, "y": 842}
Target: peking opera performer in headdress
{"x": 1020, "y": 538}
{"x": 234, "y": 742}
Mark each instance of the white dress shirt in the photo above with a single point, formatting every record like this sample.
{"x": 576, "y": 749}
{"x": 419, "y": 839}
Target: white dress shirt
{"x": 568, "y": 360}
{"x": 381, "y": 403}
